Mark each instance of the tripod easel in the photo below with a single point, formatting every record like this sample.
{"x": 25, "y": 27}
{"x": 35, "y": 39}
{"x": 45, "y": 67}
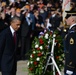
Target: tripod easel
{"x": 53, "y": 63}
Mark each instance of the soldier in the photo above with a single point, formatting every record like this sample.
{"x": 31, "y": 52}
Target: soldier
{"x": 70, "y": 44}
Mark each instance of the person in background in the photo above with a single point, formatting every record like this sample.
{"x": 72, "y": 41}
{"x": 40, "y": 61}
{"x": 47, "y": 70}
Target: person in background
{"x": 54, "y": 19}
{"x": 44, "y": 13}
{"x": 39, "y": 24}
{"x": 12, "y": 12}
{"x": 2, "y": 21}
{"x": 70, "y": 44}
{"x": 73, "y": 5}
{"x": 8, "y": 48}
{"x": 19, "y": 4}
{"x": 26, "y": 30}
{"x": 47, "y": 24}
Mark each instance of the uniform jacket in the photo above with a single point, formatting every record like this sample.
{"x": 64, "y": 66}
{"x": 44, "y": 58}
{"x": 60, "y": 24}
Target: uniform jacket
{"x": 70, "y": 52}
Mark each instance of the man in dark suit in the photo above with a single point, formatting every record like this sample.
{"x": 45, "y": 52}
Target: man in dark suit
{"x": 26, "y": 31}
{"x": 8, "y": 46}
{"x": 54, "y": 19}
{"x": 70, "y": 44}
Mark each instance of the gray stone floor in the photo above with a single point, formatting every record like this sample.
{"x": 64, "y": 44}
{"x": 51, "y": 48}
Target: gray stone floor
{"x": 21, "y": 68}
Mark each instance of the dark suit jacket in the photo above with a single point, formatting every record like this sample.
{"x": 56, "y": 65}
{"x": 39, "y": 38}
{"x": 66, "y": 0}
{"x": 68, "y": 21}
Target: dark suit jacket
{"x": 55, "y": 21}
{"x": 2, "y": 25}
{"x": 7, "y": 51}
{"x": 25, "y": 28}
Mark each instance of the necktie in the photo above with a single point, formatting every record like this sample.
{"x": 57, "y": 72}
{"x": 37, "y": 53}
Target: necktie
{"x": 14, "y": 37}
{"x": 28, "y": 21}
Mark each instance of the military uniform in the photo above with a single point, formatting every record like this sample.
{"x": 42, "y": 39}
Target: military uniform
{"x": 70, "y": 52}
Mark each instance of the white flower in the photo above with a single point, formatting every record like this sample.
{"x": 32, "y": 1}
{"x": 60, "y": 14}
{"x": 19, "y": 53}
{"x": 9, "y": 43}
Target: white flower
{"x": 28, "y": 64}
{"x": 40, "y": 36}
{"x": 43, "y": 52}
{"x": 60, "y": 65}
{"x": 31, "y": 62}
{"x": 34, "y": 52}
{"x": 38, "y": 59}
{"x": 36, "y": 46}
{"x": 54, "y": 35}
{"x": 42, "y": 67}
{"x": 35, "y": 42}
{"x": 30, "y": 56}
{"x": 60, "y": 59}
{"x": 48, "y": 42}
{"x": 41, "y": 47}
{"x": 46, "y": 36}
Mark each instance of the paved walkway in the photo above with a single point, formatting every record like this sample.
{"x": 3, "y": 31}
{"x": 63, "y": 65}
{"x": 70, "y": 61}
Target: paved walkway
{"x": 21, "y": 68}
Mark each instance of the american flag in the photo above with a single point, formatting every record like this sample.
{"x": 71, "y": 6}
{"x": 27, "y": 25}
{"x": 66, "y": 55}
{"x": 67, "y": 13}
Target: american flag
{"x": 65, "y": 7}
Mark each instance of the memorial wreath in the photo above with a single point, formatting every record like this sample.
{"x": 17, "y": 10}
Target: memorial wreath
{"x": 40, "y": 47}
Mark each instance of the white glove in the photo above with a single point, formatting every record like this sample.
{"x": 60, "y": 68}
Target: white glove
{"x": 69, "y": 72}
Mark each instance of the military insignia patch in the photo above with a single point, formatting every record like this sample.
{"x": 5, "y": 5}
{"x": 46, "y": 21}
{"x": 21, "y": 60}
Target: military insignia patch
{"x": 71, "y": 41}
{"x": 70, "y": 63}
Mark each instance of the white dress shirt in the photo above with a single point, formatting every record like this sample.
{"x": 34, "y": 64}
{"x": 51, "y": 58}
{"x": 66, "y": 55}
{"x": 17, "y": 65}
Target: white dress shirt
{"x": 12, "y": 30}
{"x": 72, "y": 25}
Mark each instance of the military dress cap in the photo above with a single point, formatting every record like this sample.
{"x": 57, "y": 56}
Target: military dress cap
{"x": 70, "y": 13}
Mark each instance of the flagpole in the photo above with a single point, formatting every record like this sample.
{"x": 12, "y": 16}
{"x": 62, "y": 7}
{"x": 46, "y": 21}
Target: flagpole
{"x": 65, "y": 7}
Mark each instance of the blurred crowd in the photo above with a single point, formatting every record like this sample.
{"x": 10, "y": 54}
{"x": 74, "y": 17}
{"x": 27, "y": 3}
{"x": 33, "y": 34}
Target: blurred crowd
{"x": 38, "y": 9}
{"x": 35, "y": 15}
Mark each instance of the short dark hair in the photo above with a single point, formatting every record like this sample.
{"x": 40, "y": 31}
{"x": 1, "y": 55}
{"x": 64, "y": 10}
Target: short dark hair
{"x": 15, "y": 18}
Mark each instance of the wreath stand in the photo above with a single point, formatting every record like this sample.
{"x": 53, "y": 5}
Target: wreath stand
{"x": 51, "y": 56}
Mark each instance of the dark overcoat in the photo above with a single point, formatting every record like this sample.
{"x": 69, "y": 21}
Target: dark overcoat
{"x": 7, "y": 51}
